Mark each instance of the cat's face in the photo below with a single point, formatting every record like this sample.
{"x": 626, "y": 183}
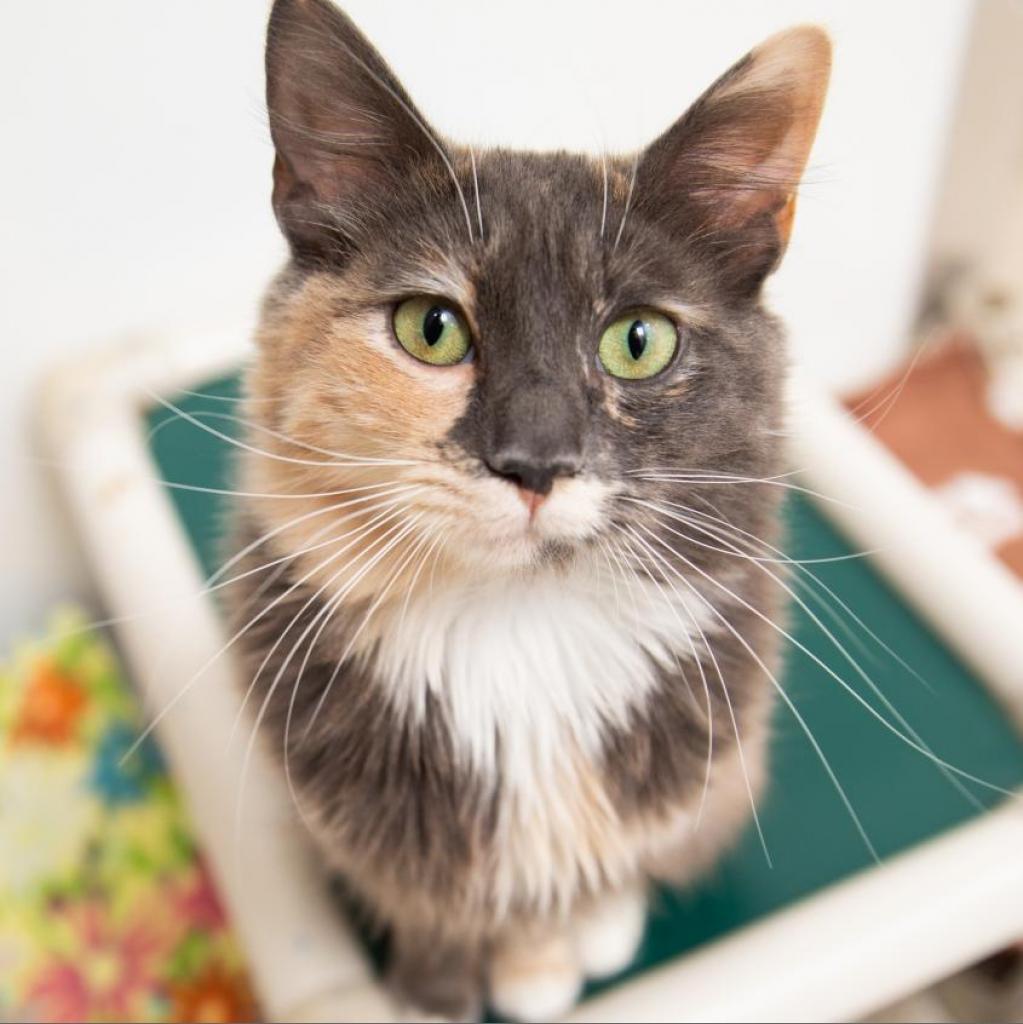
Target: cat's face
{"x": 508, "y": 355}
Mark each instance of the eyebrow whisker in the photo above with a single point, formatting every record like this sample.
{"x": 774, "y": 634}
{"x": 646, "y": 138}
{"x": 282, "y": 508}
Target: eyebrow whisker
{"x": 628, "y": 204}
{"x": 603, "y": 211}
{"x": 476, "y": 187}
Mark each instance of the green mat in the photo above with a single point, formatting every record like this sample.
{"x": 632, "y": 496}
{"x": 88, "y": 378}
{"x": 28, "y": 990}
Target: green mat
{"x": 898, "y": 794}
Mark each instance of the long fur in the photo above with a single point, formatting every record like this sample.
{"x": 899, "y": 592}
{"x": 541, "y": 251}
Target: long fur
{"x": 501, "y": 711}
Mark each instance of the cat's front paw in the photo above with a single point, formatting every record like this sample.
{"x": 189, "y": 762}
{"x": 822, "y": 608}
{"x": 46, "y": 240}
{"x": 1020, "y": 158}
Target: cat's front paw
{"x": 535, "y": 979}
{"x": 607, "y": 934}
{"x": 537, "y": 974}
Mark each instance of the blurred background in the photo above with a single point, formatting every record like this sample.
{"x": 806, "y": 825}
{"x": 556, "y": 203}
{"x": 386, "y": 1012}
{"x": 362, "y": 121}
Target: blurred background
{"x": 135, "y": 184}
{"x": 134, "y": 198}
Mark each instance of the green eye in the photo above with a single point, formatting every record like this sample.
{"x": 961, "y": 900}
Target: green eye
{"x": 431, "y": 331}
{"x": 638, "y": 345}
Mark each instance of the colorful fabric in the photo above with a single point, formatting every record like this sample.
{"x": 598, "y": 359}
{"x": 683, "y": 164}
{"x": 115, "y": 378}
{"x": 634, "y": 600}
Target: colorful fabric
{"x": 106, "y": 910}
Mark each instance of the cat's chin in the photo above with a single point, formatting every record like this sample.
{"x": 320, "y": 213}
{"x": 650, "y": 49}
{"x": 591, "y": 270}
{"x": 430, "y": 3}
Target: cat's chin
{"x": 508, "y": 537}
{"x": 519, "y": 551}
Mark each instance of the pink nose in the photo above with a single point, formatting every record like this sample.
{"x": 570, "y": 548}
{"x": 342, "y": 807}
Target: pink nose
{"x": 532, "y": 500}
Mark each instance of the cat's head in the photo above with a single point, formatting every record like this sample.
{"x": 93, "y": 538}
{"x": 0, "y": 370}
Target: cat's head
{"x": 507, "y": 354}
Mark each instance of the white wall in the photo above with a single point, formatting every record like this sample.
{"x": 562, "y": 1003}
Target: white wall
{"x": 135, "y": 169}
{"x": 980, "y": 210}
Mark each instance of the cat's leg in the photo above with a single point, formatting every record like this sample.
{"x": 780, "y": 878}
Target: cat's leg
{"x": 534, "y": 974}
{"x": 608, "y": 930}
{"x": 736, "y": 786}
{"x": 436, "y": 976}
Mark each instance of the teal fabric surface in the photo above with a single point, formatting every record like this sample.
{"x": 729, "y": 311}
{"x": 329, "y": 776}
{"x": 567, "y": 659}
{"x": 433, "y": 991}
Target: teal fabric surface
{"x": 901, "y": 798}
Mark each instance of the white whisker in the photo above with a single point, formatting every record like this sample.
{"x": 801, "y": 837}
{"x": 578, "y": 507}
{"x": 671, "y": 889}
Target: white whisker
{"x": 602, "y": 544}
{"x": 730, "y": 478}
{"x": 867, "y": 706}
{"x": 211, "y": 584}
{"x": 337, "y": 458}
{"x": 179, "y": 696}
{"x": 433, "y": 549}
{"x": 807, "y": 731}
{"x": 350, "y": 645}
{"x": 476, "y": 188}
{"x": 628, "y": 204}
{"x": 703, "y": 679}
{"x": 323, "y": 614}
{"x": 875, "y": 689}
{"x": 632, "y": 582}
{"x": 800, "y": 565}
{"x": 233, "y": 399}
{"x": 731, "y": 713}
{"x": 379, "y": 520}
{"x": 603, "y": 208}
{"x": 417, "y": 121}
{"x": 354, "y": 460}
{"x": 331, "y": 606}
{"x": 380, "y": 491}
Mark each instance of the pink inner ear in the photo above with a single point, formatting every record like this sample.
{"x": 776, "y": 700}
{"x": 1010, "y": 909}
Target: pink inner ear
{"x": 747, "y": 140}
{"x": 344, "y": 130}
{"x": 326, "y": 153}
{"x": 739, "y": 175}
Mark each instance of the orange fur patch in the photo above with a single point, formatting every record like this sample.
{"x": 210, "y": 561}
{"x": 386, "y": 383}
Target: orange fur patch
{"x": 341, "y": 393}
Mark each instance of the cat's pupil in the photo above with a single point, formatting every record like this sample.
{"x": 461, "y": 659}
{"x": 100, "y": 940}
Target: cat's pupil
{"x": 433, "y": 325}
{"x": 637, "y": 339}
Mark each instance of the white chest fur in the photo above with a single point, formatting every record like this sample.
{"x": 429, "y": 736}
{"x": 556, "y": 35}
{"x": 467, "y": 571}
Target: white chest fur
{"x": 532, "y": 673}
{"x": 532, "y": 670}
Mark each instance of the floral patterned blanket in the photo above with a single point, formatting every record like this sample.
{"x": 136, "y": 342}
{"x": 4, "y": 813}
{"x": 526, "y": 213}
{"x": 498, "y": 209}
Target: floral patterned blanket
{"x": 106, "y": 910}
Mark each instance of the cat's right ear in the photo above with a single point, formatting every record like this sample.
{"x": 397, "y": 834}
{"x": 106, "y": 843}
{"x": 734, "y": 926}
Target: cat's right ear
{"x": 344, "y": 130}
{"x": 729, "y": 169}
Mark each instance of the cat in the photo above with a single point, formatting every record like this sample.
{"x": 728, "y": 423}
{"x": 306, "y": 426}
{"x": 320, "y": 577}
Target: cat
{"x": 514, "y": 417}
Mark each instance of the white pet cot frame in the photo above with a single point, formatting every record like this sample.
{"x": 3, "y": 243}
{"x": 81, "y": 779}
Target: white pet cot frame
{"x": 890, "y": 930}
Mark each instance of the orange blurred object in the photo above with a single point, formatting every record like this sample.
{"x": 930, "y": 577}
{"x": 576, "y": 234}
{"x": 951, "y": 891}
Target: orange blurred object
{"x": 214, "y": 998}
{"x": 51, "y": 707}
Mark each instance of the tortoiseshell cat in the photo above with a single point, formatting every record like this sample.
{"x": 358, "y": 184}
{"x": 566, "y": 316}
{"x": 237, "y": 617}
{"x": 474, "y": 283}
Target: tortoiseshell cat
{"x": 519, "y": 414}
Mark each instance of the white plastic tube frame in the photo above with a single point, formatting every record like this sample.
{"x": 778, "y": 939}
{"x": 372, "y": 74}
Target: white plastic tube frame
{"x": 838, "y": 955}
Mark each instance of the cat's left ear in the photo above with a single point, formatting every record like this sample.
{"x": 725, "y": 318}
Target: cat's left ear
{"x": 728, "y": 170}
{"x": 347, "y": 136}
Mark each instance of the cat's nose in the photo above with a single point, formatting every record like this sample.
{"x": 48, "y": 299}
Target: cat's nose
{"x": 533, "y": 435}
{"x": 533, "y": 474}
